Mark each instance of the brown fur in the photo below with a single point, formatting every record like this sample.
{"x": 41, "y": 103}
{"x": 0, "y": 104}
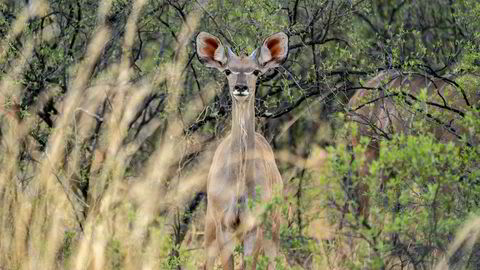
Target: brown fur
{"x": 384, "y": 116}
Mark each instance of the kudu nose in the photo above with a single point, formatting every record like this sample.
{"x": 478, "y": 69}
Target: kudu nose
{"x": 240, "y": 88}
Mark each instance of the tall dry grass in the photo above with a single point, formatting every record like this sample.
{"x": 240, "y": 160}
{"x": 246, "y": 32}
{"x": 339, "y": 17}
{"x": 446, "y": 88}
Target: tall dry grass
{"x": 461, "y": 251}
{"x": 45, "y": 224}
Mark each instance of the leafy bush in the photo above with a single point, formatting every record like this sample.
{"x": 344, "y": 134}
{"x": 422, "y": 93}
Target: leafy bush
{"x": 420, "y": 192}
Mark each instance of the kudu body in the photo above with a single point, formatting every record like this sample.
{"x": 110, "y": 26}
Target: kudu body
{"x": 243, "y": 169}
{"x": 386, "y": 105}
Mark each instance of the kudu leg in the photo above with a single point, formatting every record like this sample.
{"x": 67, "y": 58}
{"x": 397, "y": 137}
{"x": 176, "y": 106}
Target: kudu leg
{"x": 362, "y": 189}
{"x": 271, "y": 252}
{"x": 226, "y": 245}
{"x": 248, "y": 245}
{"x": 271, "y": 246}
{"x": 252, "y": 245}
{"x": 210, "y": 244}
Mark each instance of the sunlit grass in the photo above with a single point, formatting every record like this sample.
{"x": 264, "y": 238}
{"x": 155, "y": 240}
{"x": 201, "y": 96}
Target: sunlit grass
{"x": 45, "y": 224}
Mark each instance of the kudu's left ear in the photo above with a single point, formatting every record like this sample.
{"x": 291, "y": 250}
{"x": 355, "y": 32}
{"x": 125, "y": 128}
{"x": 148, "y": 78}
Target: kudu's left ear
{"x": 273, "y": 52}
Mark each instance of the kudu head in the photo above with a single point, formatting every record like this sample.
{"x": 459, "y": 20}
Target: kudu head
{"x": 242, "y": 71}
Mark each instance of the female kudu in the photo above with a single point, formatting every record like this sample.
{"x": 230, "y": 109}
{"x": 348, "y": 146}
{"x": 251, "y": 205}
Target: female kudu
{"x": 386, "y": 105}
{"x": 243, "y": 167}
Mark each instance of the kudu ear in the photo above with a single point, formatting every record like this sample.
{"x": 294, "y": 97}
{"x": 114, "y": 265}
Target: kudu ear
{"x": 210, "y": 51}
{"x": 274, "y": 51}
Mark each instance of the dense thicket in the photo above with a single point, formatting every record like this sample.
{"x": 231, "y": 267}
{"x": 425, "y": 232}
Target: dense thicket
{"x": 335, "y": 47}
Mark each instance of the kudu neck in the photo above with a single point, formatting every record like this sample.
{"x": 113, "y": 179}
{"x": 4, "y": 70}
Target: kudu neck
{"x": 243, "y": 143}
{"x": 243, "y": 122}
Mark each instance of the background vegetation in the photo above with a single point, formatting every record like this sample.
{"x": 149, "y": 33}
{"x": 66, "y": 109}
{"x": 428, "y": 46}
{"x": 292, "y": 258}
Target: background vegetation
{"x": 108, "y": 123}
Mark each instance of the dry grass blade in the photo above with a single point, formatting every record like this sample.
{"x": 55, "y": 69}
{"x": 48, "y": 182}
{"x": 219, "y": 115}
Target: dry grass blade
{"x": 460, "y": 251}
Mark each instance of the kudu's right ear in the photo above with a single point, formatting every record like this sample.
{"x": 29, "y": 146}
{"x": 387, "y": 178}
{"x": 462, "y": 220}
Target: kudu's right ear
{"x": 210, "y": 51}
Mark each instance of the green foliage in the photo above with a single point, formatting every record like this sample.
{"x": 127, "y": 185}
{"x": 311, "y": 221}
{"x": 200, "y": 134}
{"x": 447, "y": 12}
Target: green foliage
{"x": 177, "y": 257}
{"x": 67, "y": 248}
{"x": 114, "y": 253}
{"x": 245, "y": 23}
{"x": 420, "y": 192}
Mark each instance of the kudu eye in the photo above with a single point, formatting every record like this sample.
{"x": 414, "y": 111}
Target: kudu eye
{"x": 227, "y": 72}
{"x": 256, "y": 72}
